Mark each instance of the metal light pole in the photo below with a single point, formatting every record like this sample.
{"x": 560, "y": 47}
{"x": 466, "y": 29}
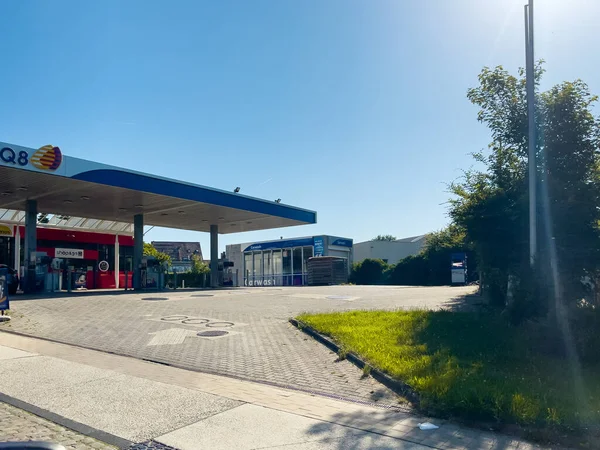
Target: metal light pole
{"x": 529, "y": 77}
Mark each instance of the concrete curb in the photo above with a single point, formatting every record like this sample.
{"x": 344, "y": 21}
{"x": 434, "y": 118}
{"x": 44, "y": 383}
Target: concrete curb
{"x": 397, "y": 386}
{"x": 67, "y": 423}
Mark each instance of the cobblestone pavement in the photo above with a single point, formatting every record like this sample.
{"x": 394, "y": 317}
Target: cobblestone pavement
{"x": 261, "y": 344}
{"x": 18, "y": 425}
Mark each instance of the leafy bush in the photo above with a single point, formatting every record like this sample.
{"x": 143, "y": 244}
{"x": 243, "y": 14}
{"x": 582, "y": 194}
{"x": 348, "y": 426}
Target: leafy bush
{"x": 368, "y": 271}
{"x": 431, "y": 267}
{"x": 191, "y": 279}
{"x": 412, "y": 271}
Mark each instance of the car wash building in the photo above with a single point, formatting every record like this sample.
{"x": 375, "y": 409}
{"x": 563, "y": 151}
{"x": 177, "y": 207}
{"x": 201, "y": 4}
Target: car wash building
{"x": 42, "y": 189}
{"x": 283, "y": 262}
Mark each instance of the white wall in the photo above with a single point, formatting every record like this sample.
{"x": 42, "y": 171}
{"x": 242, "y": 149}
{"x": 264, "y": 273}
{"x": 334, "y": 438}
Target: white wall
{"x": 392, "y": 251}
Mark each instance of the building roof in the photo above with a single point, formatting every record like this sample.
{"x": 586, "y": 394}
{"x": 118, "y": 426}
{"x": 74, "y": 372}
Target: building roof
{"x": 412, "y": 238}
{"x": 179, "y": 251}
{"x": 76, "y": 187}
{"x": 398, "y": 241}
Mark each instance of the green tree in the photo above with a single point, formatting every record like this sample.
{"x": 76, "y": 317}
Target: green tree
{"x": 198, "y": 266}
{"x": 491, "y": 203}
{"x": 431, "y": 267}
{"x": 384, "y": 237}
{"x": 150, "y": 250}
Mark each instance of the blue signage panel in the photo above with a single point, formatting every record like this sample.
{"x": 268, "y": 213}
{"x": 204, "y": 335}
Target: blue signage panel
{"x": 342, "y": 242}
{"x": 280, "y": 244}
{"x": 319, "y": 244}
{"x": 3, "y": 289}
{"x": 458, "y": 268}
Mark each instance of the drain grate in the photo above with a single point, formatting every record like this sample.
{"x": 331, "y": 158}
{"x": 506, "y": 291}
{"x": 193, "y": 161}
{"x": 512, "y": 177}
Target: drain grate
{"x": 212, "y": 333}
{"x": 155, "y": 298}
{"x": 202, "y": 295}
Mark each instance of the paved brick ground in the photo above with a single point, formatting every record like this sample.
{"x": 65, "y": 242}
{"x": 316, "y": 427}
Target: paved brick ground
{"x": 18, "y": 425}
{"x": 265, "y": 347}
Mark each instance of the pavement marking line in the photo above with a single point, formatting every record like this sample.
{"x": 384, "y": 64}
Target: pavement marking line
{"x": 172, "y": 336}
{"x": 195, "y": 322}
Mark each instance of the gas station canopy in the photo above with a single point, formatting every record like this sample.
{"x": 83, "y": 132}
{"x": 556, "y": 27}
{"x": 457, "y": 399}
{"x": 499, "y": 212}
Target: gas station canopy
{"x": 61, "y": 222}
{"x": 74, "y": 188}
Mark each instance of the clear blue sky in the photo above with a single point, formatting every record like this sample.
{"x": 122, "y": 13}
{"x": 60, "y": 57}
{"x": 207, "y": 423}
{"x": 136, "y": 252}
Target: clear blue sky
{"x": 355, "y": 109}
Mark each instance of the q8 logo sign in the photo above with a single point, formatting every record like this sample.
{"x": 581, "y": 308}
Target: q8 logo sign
{"x": 47, "y": 157}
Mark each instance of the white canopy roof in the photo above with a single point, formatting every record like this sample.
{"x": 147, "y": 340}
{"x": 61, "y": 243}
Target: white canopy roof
{"x": 45, "y": 220}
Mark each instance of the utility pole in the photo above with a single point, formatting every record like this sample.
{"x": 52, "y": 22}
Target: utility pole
{"x": 530, "y": 86}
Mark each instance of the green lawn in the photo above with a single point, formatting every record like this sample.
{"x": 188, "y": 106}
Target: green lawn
{"x": 469, "y": 366}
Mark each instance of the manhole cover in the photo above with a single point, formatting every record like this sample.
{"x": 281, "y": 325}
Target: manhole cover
{"x": 155, "y": 298}
{"x": 212, "y": 333}
{"x": 174, "y": 318}
{"x": 339, "y": 297}
{"x": 195, "y": 321}
{"x": 202, "y": 295}
{"x": 219, "y": 324}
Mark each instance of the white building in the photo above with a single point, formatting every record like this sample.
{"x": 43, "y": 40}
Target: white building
{"x": 389, "y": 251}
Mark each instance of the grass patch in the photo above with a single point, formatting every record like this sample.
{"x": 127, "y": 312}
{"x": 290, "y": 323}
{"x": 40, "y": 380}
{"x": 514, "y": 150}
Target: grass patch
{"x": 471, "y": 366}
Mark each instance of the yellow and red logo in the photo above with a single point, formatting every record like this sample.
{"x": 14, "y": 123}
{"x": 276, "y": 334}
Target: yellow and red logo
{"x": 5, "y": 230}
{"x": 47, "y": 157}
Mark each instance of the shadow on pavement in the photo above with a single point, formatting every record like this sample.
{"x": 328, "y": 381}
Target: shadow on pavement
{"x": 365, "y": 432}
{"x": 466, "y": 303}
{"x": 109, "y": 292}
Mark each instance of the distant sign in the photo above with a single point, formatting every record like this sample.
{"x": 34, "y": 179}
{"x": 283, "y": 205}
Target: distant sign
{"x": 103, "y": 266}
{"x": 458, "y": 276}
{"x": 6, "y": 230}
{"x": 458, "y": 268}
{"x": 72, "y": 253}
{"x": 4, "y": 289}
{"x": 341, "y": 242}
{"x": 319, "y": 246}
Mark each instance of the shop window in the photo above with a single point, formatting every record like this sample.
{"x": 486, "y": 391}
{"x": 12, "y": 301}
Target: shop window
{"x": 297, "y": 257}
{"x": 307, "y": 252}
{"x": 287, "y": 261}
{"x": 248, "y": 264}
{"x": 267, "y": 266}
{"x": 257, "y": 264}
{"x": 277, "y": 262}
